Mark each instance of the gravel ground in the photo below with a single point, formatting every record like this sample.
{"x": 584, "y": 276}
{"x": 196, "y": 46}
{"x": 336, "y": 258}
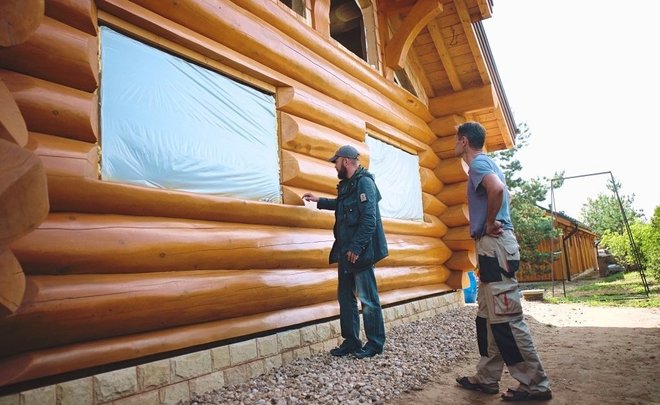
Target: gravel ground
{"x": 413, "y": 354}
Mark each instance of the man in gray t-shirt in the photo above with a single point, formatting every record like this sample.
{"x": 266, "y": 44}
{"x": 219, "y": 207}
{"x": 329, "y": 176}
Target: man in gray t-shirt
{"x": 502, "y": 335}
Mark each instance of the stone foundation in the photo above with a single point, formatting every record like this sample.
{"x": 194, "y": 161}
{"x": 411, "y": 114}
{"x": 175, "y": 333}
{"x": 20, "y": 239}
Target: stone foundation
{"x": 179, "y": 378}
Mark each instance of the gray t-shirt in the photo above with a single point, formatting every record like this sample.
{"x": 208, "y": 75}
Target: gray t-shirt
{"x": 478, "y": 200}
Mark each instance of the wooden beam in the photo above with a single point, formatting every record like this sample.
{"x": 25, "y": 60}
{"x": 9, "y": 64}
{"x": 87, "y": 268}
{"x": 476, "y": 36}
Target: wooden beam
{"x": 466, "y": 101}
{"x": 397, "y": 49}
{"x": 445, "y": 57}
{"x": 466, "y": 22}
{"x": 23, "y": 192}
{"x": 19, "y": 19}
{"x": 415, "y": 65}
{"x": 446, "y": 125}
{"x": 485, "y": 9}
{"x": 12, "y": 124}
{"x": 321, "y": 17}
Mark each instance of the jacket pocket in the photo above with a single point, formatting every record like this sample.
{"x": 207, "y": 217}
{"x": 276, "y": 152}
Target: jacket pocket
{"x": 352, "y": 215}
{"x": 506, "y": 298}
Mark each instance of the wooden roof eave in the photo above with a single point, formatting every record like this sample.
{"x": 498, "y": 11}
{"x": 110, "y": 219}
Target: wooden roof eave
{"x": 399, "y": 45}
{"x": 509, "y": 122}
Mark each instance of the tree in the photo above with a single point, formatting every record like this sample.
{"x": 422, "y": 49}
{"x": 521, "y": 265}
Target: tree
{"x": 603, "y": 213}
{"x": 647, "y": 239}
{"x": 531, "y": 222}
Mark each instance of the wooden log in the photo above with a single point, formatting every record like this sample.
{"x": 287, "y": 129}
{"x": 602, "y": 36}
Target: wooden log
{"x": 54, "y": 109}
{"x": 86, "y": 243}
{"x": 453, "y": 194}
{"x": 160, "y": 32}
{"x": 430, "y": 182}
{"x": 77, "y": 194}
{"x": 432, "y": 205}
{"x": 446, "y": 126}
{"x": 314, "y": 140}
{"x": 302, "y": 171}
{"x": 462, "y": 260}
{"x": 465, "y": 101}
{"x": 327, "y": 50}
{"x": 321, "y": 17}
{"x": 23, "y": 192}
{"x": 49, "y": 362}
{"x": 445, "y": 147}
{"x": 293, "y": 196}
{"x": 428, "y": 158}
{"x": 12, "y": 283}
{"x": 57, "y": 53}
{"x": 456, "y": 215}
{"x": 19, "y": 19}
{"x": 12, "y": 124}
{"x": 80, "y": 14}
{"x": 397, "y": 137}
{"x": 248, "y": 35}
{"x": 89, "y": 307}
{"x": 322, "y": 111}
{"x": 458, "y": 238}
{"x": 458, "y": 280}
{"x": 66, "y": 157}
{"x": 452, "y": 170}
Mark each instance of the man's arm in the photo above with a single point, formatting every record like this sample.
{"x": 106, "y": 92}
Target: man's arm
{"x": 495, "y": 193}
{"x": 321, "y": 203}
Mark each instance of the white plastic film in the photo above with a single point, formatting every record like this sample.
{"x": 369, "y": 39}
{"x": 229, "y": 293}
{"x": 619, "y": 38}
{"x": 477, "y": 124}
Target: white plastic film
{"x": 397, "y": 178}
{"x": 168, "y": 123}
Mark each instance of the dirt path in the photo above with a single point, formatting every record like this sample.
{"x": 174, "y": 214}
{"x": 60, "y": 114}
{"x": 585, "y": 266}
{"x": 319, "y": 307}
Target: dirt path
{"x": 593, "y": 355}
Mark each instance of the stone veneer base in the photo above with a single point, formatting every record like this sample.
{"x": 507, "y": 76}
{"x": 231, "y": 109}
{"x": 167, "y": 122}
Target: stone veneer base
{"x": 179, "y": 378}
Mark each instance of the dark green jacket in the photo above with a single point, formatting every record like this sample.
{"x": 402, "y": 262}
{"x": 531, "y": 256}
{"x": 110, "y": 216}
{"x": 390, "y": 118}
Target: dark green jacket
{"x": 358, "y": 226}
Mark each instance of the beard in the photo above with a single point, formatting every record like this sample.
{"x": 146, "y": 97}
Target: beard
{"x": 341, "y": 173}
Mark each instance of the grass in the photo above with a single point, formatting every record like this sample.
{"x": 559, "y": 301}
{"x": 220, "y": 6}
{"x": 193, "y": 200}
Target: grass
{"x": 618, "y": 290}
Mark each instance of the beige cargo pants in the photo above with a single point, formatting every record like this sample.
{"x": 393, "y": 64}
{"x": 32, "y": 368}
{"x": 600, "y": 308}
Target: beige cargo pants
{"x": 503, "y": 336}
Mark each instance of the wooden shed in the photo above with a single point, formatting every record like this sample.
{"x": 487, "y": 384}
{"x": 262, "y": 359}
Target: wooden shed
{"x": 156, "y": 237}
{"x": 575, "y": 252}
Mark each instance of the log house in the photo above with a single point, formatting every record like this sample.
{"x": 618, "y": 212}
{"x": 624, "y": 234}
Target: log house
{"x": 575, "y": 252}
{"x": 118, "y": 272}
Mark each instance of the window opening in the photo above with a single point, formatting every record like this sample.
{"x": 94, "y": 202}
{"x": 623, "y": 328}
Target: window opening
{"x": 397, "y": 177}
{"x": 296, "y": 5}
{"x": 347, "y": 26}
{"x": 171, "y": 124}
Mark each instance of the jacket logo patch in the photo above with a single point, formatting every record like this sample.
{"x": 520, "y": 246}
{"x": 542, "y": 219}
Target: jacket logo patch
{"x": 363, "y": 197}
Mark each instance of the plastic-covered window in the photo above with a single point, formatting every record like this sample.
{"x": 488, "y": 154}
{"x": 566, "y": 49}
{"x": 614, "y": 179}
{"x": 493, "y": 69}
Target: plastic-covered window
{"x": 398, "y": 180}
{"x": 168, "y": 123}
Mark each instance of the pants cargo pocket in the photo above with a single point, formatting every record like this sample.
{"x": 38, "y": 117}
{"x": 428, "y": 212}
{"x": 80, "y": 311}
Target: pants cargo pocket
{"x": 506, "y": 298}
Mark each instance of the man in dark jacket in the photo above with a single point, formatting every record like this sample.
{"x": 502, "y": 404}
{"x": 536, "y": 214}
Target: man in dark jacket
{"x": 359, "y": 244}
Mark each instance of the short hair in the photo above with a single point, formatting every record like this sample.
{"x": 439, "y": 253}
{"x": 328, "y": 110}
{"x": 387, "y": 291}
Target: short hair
{"x": 474, "y": 132}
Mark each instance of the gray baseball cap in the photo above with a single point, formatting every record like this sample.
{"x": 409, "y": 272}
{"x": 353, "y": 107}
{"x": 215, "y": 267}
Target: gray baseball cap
{"x": 346, "y": 151}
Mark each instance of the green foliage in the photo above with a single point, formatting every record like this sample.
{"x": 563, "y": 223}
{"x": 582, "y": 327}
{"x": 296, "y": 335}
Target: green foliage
{"x": 616, "y": 290}
{"x": 647, "y": 239}
{"x": 603, "y": 213}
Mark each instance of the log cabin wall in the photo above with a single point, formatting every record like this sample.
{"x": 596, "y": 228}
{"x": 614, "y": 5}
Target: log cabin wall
{"x": 118, "y": 272}
{"x": 578, "y": 253}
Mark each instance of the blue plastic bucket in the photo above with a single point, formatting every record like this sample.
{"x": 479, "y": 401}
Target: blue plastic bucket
{"x": 470, "y": 292}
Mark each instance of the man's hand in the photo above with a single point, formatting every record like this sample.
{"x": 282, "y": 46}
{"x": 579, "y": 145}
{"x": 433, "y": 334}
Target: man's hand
{"x": 352, "y": 257}
{"x": 310, "y": 197}
{"x": 494, "y": 229}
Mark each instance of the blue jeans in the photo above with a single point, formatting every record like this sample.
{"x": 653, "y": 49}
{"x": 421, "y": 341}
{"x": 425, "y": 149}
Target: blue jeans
{"x": 363, "y": 285}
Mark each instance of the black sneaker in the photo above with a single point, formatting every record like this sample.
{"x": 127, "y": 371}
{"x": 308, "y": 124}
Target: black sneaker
{"x": 367, "y": 352}
{"x": 343, "y": 350}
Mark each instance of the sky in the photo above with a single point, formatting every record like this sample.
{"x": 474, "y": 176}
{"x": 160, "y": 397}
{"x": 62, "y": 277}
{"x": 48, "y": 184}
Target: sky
{"x": 585, "y": 76}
